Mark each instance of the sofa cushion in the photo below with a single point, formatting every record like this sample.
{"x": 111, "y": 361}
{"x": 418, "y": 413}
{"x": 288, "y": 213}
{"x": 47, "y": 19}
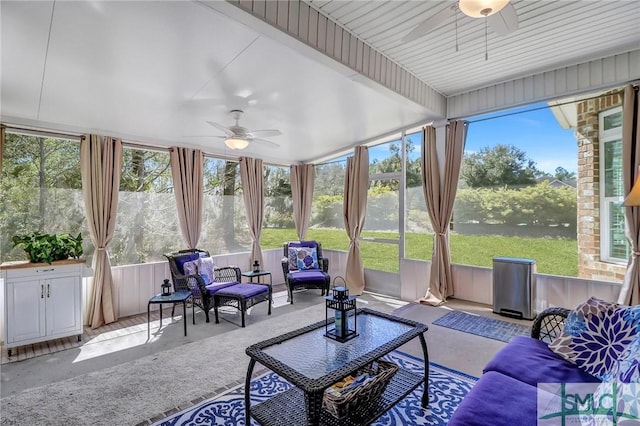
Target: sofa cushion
{"x": 245, "y": 290}
{"x": 497, "y": 400}
{"x": 595, "y": 335}
{"x": 530, "y": 360}
{"x": 214, "y": 287}
{"x": 310, "y": 275}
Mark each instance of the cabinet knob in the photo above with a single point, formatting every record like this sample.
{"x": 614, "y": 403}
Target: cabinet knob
{"x": 48, "y": 290}
{"x": 41, "y": 291}
{"x": 46, "y": 270}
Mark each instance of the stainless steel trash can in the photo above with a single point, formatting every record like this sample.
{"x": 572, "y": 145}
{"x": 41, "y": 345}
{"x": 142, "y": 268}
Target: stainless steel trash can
{"x": 514, "y": 286}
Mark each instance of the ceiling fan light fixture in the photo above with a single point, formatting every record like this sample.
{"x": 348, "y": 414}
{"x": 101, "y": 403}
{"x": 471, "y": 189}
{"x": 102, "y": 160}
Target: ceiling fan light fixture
{"x": 481, "y": 8}
{"x": 236, "y": 143}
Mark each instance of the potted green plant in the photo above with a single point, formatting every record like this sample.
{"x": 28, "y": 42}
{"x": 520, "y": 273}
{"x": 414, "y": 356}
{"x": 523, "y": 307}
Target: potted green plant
{"x": 41, "y": 248}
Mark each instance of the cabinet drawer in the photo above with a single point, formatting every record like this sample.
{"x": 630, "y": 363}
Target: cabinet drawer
{"x": 44, "y": 270}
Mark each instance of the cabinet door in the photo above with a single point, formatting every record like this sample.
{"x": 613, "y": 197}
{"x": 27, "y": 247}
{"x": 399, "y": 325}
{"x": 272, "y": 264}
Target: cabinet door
{"x": 63, "y": 305}
{"x": 25, "y": 310}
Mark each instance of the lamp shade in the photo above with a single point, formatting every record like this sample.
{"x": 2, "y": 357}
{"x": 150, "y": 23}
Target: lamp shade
{"x": 633, "y": 198}
{"x": 481, "y": 8}
{"x": 236, "y": 143}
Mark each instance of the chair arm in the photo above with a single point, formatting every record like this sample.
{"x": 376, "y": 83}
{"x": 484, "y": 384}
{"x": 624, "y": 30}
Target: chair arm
{"x": 227, "y": 273}
{"x": 549, "y": 323}
{"x": 285, "y": 266}
{"x": 324, "y": 264}
{"x": 188, "y": 282}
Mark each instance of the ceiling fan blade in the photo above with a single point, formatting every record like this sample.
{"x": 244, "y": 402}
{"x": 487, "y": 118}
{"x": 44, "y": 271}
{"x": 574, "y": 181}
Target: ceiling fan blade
{"x": 227, "y": 131}
{"x": 505, "y": 21}
{"x": 266, "y": 142}
{"x": 430, "y": 24}
{"x": 265, "y": 133}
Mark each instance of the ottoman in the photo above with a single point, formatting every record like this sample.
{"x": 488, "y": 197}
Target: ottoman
{"x": 242, "y": 297}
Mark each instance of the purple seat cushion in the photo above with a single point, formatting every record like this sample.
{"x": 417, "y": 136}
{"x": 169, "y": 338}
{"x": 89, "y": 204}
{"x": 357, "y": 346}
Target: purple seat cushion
{"x": 531, "y": 361}
{"x": 309, "y": 275}
{"x": 215, "y": 286}
{"x": 244, "y": 291}
{"x": 497, "y": 400}
{"x": 183, "y": 258}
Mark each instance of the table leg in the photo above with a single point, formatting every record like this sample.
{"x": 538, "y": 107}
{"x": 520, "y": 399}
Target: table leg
{"x": 160, "y": 317}
{"x": 313, "y": 406}
{"x": 148, "y": 320}
{"x": 193, "y": 311}
{"x": 247, "y": 392}
{"x": 425, "y": 393}
{"x": 184, "y": 313}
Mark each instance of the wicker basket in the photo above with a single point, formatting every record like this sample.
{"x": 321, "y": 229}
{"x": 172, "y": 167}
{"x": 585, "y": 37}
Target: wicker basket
{"x": 340, "y": 406}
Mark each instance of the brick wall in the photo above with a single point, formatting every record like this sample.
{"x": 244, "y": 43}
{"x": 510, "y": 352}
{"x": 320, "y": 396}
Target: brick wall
{"x": 589, "y": 264}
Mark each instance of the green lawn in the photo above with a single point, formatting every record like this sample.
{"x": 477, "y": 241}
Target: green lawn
{"x": 552, "y": 256}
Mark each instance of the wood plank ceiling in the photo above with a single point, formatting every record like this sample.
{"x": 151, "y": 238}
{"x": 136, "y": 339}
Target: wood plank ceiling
{"x": 551, "y": 34}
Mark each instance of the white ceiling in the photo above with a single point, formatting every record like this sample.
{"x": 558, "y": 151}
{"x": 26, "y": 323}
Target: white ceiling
{"x": 155, "y": 71}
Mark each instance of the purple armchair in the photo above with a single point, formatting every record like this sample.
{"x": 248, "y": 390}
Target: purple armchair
{"x": 304, "y": 267}
{"x": 203, "y": 286}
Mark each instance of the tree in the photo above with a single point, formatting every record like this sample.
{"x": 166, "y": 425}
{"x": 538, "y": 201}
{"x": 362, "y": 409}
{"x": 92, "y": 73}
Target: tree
{"x": 564, "y": 175}
{"x": 393, "y": 163}
{"x": 501, "y": 165}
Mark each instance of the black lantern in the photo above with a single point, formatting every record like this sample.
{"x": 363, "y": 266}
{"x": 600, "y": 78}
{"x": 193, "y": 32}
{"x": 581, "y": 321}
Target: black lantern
{"x": 256, "y": 266}
{"x": 341, "y": 304}
{"x": 166, "y": 288}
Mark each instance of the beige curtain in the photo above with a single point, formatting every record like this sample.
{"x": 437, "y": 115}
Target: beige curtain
{"x": 187, "y": 172}
{"x": 440, "y": 197}
{"x": 302, "y": 179}
{"x": 100, "y": 166}
{"x": 251, "y": 174}
{"x": 630, "y": 292}
{"x": 2, "y": 136}
{"x": 356, "y": 184}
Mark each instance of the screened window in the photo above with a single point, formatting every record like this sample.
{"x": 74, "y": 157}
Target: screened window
{"x": 614, "y": 244}
{"x": 517, "y": 193}
{"x": 418, "y": 230}
{"x": 327, "y": 218}
{"x": 278, "y": 225}
{"x": 41, "y": 190}
{"x": 224, "y": 221}
{"x": 147, "y": 217}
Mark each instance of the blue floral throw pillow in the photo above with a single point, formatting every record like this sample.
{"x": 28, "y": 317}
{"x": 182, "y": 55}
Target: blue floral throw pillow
{"x": 307, "y": 258}
{"x": 595, "y": 336}
{"x": 190, "y": 267}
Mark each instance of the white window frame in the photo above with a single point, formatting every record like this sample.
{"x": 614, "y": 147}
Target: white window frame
{"x": 606, "y": 136}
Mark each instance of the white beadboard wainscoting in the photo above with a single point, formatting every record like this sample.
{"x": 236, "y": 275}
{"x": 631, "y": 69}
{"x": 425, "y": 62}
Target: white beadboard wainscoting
{"x": 475, "y": 284}
{"x": 134, "y": 285}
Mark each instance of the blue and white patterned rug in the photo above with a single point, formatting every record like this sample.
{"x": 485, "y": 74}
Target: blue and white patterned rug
{"x": 446, "y": 390}
{"x": 483, "y": 326}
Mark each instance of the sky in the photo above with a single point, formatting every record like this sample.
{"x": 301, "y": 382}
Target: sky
{"x": 537, "y": 133}
{"x": 533, "y": 129}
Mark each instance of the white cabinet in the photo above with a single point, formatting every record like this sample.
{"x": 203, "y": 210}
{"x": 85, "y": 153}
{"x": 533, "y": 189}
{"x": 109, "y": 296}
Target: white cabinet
{"x": 42, "y": 301}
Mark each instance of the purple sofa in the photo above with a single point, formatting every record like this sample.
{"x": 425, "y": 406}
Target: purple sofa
{"x": 506, "y": 394}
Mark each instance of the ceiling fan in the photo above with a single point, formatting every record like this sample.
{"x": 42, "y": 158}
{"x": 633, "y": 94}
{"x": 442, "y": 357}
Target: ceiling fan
{"x": 499, "y": 14}
{"x": 238, "y": 137}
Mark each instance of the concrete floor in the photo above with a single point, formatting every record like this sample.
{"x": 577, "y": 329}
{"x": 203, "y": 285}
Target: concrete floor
{"x": 457, "y": 350}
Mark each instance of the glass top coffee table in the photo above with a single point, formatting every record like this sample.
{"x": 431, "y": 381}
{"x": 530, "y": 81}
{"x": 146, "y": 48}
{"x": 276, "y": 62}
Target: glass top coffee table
{"x": 312, "y": 363}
